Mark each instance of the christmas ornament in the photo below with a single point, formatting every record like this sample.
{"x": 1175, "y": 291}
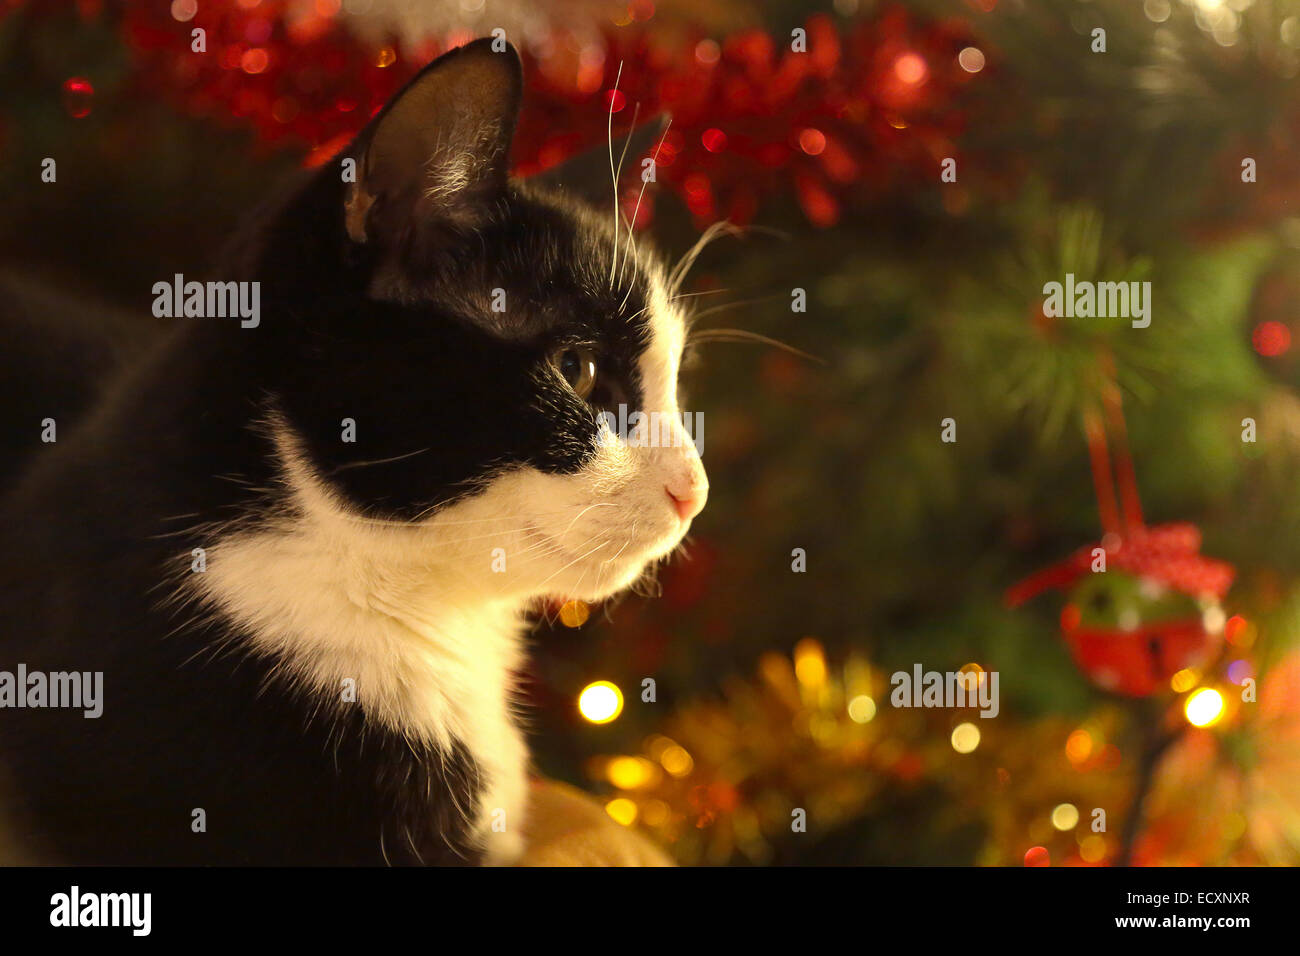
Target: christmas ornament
{"x": 1144, "y": 604}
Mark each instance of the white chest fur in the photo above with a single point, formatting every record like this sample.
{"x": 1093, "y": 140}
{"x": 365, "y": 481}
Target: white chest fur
{"x": 356, "y": 619}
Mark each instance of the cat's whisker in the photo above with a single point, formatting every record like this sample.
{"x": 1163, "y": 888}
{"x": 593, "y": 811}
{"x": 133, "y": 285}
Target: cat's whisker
{"x": 378, "y": 461}
{"x": 684, "y": 264}
{"x": 598, "y": 504}
{"x": 580, "y": 557}
{"x": 630, "y": 246}
{"x": 452, "y": 542}
{"x": 536, "y": 514}
{"x": 742, "y": 335}
{"x": 544, "y": 544}
{"x": 695, "y": 317}
{"x": 619, "y": 218}
{"x": 692, "y": 295}
{"x": 613, "y": 175}
{"x": 600, "y": 578}
{"x": 577, "y": 585}
{"x": 637, "y": 314}
{"x": 423, "y": 523}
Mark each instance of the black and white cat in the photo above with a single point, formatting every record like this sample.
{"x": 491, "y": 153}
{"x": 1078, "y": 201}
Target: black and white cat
{"x": 400, "y": 565}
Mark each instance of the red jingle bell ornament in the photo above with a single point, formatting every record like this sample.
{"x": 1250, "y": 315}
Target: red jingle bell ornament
{"x": 1140, "y": 608}
{"x": 1143, "y": 602}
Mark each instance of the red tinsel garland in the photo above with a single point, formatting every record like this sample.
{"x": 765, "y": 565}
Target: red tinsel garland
{"x": 864, "y": 108}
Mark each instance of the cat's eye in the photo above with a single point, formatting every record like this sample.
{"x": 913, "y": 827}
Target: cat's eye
{"x": 577, "y": 366}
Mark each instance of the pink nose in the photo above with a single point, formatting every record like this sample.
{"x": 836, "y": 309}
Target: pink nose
{"x": 690, "y": 503}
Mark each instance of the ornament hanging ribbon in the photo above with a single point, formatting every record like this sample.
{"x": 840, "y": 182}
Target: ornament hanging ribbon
{"x": 1169, "y": 553}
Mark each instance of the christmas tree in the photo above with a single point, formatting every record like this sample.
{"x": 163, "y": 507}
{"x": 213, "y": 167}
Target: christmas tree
{"x": 950, "y": 466}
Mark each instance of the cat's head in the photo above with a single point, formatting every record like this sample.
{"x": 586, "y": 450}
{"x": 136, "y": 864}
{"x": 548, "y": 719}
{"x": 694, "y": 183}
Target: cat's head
{"x": 474, "y": 328}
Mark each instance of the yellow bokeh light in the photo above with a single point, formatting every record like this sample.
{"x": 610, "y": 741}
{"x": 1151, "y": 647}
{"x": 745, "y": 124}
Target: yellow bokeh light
{"x": 623, "y": 810}
{"x": 1184, "y": 680}
{"x": 630, "y": 773}
{"x": 973, "y": 668}
{"x": 600, "y": 702}
{"x": 1092, "y": 848}
{"x": 1078, "y": 746}
{"x": 1204, "y": 707}
{"x": 574, "y": 613}
{"x": 965, "y": 738}
{"x": 810, "y": 663}
{"x": 862, "y": 709}
{"x": 823, "y": 728}
{"x": 656, "y": 813}
{"x": 1065, "y": 816}
{"x": 676, "y": 760}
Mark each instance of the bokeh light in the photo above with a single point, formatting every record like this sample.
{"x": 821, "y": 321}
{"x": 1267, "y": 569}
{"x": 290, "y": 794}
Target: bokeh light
{"x": 965, "y": 738}
{"x": 574, "y": 613}
{"x": 78, "y": 94}
{"x": 911, "y": 68}
{"x": 623, "y": 810}
{"x": 600, "y": 702}
{"x": 862, "y": 709}
{"x": 1204, "y": 708}
{"x": 1065, "y": 816}
{"x": 971, "y": 59}
{"x": 1078, "y": 746}
{"x": 812, "y": 141}
{"x": 1271, "y": 338}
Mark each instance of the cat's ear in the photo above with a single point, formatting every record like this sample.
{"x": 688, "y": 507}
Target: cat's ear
{"x": 587, "y": 176}
{"x": 438, "y": 152}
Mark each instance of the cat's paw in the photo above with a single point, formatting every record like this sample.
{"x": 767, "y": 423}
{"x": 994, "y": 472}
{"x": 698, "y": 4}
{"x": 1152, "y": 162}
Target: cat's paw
{"x": 565, "y": 827}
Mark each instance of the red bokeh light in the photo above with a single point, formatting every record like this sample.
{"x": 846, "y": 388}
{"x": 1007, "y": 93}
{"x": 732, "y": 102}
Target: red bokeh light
{"x": 812, "y": 141}
{"x": 1038, "y": 856}
{"x": 1271, "y": 338}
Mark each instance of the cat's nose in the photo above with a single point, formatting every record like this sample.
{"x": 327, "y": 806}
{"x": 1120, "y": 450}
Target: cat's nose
{"x": 688, "y": 500}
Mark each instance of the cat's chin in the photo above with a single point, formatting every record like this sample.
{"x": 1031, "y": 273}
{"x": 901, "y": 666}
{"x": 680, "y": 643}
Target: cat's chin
{"x": 596, "y": 579}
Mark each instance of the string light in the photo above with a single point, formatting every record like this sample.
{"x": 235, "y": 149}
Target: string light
{"x": 1078, "y": 746}
{"x": 677, "y": 761}
{"x": 1065, "y": 816}
{"x": 971, "y": 59}
{"x": 623, "y": 810}
{"x": 600, "y": 702}
{"x": 810, "y": 663}
{"x": 862, "y": 709}
{"x": 574, "y": 613}
{"x": 631, "y": 773}
{"x": 1092, "y": 848}
{"x": 1204, "y": 708}
{"x": 965, "y": 738}
{"x": 910, "y": 68}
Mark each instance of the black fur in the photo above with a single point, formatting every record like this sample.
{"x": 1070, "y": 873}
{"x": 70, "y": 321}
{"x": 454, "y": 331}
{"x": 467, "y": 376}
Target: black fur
{"x": 393, "y": 332}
